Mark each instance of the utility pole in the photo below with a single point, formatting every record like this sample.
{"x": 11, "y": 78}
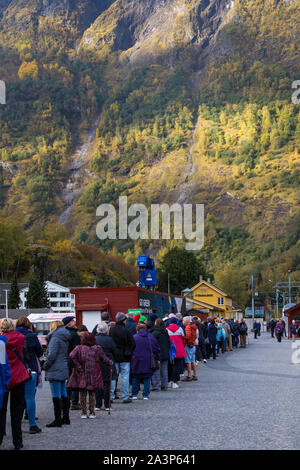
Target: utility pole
{"x": 252, "y": 286}
{"x": 6, "y": 304}
{"x": 168, "y": 283}
{"x": 277, "y": 297}
{"x": 290, "y": 288}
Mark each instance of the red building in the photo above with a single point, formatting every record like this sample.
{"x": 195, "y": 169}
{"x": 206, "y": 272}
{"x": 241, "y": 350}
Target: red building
{"x": 90, "y": 302}
{"x": 294, "y": 314}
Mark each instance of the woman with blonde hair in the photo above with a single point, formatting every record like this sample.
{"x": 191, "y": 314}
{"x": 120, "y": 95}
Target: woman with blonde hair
{"x": 32, "y": 351}
{"x": 57, "y": 372}
{"x": 16, "y": 386}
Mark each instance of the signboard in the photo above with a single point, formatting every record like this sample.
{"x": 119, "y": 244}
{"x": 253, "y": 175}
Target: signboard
{"x": 162, "y": 302}
{"x": 135, "y": 311}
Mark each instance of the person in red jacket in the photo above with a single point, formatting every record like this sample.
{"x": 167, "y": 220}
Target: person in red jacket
{"x": 177, "y": 337}
{"x": 16, "y": 386}
{"x": 86, "y": 374}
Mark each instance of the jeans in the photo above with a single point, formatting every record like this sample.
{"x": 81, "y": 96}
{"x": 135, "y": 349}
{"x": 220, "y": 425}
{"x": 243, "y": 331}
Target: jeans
{"x": 136, "y": 386}
{"x": 30, "y": 388}
{"x": 124, "y": 369}
{"x": 160, "y": 376}
{"x": 58, "y": 388}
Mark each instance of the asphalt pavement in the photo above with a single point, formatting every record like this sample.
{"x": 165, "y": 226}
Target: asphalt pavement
{"x": 245, "y": 399}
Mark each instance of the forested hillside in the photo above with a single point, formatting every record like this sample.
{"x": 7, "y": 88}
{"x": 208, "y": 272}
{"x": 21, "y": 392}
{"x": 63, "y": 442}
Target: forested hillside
{"x": 190, "y": 101}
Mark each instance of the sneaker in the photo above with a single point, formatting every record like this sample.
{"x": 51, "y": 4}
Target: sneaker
{"x": 174, "y": 385}
{"x": 34, "y": 430}
{"x": 146, "y": 398}
{"x": 84, "y": 416}
{"x": 92, "y": 416}
{"x": 205, "y": 361}
{"x": 108, "y": 409}
{"x": 194, "y": 377}
{"x": 170, "y": 384}
{"x": 134, "y": 398}
{"x": 98, "y": 409}
{"x": 127, "y": 401}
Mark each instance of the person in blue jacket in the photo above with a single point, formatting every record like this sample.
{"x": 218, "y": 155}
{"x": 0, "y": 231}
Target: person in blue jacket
{"x": 5, "y": 375}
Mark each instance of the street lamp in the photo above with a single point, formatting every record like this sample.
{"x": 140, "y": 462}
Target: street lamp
{"x": 6, "y": 303}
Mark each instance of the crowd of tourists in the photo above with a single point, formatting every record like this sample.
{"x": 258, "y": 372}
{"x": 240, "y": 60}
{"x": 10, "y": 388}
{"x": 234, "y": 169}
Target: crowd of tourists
{"x": 85, "y": 370}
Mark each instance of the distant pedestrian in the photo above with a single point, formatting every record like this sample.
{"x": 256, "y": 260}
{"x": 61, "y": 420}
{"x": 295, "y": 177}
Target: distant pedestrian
{"x": 177, "y": 337}
{"x": 243, "y": 333}
{"x": 293, "y": 330}
{"x": 56, "y": 369}
{"x": 221, "y": 338}
{"x": 146, "y": 346}
{"x": 104, "y": 318}
{"x": 16, "y": 385}
{"x": 160, "y": 376}
{"x": 32, "y": 352}
{"x": 190, "y": 348}
{"x": 279, "y": 330}
{"x": 272, "y": 326}
{"x": 212, "y": 337}
{"x": 236, "y": 333}
{"x": 86, "y": 372}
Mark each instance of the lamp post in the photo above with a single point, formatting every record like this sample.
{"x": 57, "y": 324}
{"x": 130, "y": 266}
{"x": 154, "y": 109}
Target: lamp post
{"x": 6, "y": 303}
{"x": 290, "y": 288}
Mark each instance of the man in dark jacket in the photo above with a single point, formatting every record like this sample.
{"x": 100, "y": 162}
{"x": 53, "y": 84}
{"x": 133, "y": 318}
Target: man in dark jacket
{"x": 243, "y": 333}
{"x": 160, "y": 376}
{"x": 125, "y": 347}
{"x": 200, "y": 347}
{"x": 130, "y": 324}
{"x": 272, "y": 326}
{"x": 110, "y": 350}
{"x": 74, "y": 341}
{"x": 236, "y": 333}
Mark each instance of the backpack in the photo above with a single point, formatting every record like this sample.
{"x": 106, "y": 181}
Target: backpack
{"x": 243, "y": 327}
{"x": 172, "y": 353}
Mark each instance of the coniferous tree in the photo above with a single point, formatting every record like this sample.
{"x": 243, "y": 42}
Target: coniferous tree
{"x": 37, "y": 296}
{"x": 14, "y": 294}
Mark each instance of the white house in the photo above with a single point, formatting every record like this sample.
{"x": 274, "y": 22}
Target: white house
{"x": 60, "y": 298}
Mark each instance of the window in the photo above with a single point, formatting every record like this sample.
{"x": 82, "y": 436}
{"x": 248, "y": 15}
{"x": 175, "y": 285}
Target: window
{"x": 220, "y": 300}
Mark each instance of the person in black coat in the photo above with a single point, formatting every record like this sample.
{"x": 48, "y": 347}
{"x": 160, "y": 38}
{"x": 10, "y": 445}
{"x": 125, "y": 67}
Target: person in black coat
{"x": 110, "y": 350}
{"x": 212, "y": 337}
{"x": 131, "y": 324}
{"x": 200, "y": 348}
{"x": 160, "y": 376}
{"x": 32, "y": 352}
{"x": 125, "y": 347}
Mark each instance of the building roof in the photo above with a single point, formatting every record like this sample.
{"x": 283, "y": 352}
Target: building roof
{"x": 15, "y": 313}
{"x": 211, "y": 286}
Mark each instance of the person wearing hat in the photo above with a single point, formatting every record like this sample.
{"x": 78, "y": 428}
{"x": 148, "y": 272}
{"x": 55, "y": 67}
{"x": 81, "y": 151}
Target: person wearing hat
{"x": 69, "y": 323}
{"x": 150, "y": 322}
{"x": 125, "y": 347}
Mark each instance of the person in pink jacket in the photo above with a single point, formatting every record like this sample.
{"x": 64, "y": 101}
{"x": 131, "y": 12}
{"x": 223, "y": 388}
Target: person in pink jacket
{"x": 86, "y": 373}
{"x": 178, "y": 339}
{"x": 16, "y": 386}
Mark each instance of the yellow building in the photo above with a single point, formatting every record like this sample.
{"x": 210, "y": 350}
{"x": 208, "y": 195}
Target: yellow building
{"x": 208, "y": 296}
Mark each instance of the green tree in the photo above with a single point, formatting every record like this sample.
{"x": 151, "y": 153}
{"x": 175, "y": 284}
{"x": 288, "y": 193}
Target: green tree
{"x": 184, "y": 270}
{"x": 37, "y": 296}
{"x": 14, "y": 294}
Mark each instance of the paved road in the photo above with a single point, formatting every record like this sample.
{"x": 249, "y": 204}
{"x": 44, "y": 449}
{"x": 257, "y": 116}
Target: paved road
{"x": 246, "y": 399}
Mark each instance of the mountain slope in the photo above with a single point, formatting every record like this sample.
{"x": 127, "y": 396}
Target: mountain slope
{"x": 194, "y": 105}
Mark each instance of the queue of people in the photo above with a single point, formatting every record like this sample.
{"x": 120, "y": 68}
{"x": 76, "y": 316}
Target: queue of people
{"x": 83, "y": 369}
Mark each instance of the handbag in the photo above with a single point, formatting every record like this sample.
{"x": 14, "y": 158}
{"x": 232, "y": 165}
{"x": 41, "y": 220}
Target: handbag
{"x": 154, "y": 365}
{"x": 22, "y": 360}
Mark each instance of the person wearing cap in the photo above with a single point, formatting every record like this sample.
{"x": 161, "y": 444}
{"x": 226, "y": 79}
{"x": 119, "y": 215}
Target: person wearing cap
{"x": 69, "y": 323}
{"x": 125, "y": 347}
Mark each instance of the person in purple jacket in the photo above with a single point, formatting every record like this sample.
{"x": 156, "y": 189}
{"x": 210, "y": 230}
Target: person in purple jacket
{"x": 279, "y": 328}
{"x": 141, "y": 360}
